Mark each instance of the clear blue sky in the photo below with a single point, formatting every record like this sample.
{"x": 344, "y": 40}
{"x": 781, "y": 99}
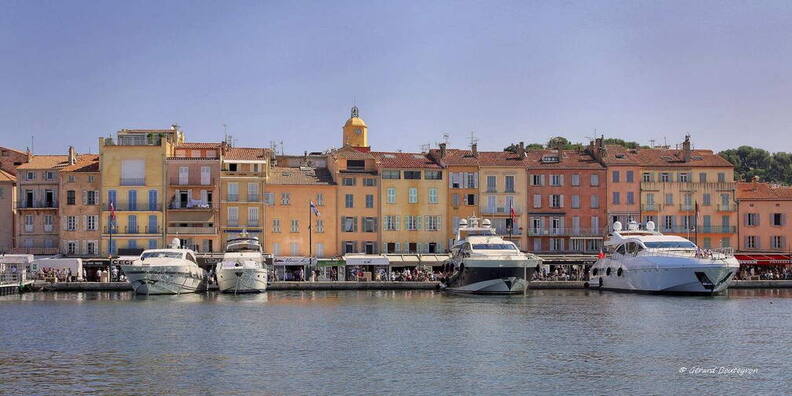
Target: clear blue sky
{"x": 75, "y": 70}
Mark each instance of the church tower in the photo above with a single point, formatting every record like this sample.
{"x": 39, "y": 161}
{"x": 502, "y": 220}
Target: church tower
{"x": 355, "y": 131}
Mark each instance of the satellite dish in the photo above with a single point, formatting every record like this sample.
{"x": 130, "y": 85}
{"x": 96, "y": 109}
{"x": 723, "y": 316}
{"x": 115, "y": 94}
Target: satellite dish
{"x": 650, "y": 225}
{"x": 617, "y": 226}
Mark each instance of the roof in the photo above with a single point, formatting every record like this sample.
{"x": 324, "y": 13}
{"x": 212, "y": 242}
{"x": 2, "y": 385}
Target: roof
{"x": 500, "y": 158}
{"x": 762, "y": 191}
{"x": 45, "y": 162}
{"x": 349, "y": 152}
{"x": 5, "y": 176}
{"x": 12, "y": 150}
{"x": 85, "y": 163}
{"x": 198, "y": 145}
{"x": 300, "y": 176}
{"x": 456, "y": 157}
{"x": 673, "y": 157}
{"x": 355, "y": 121}
{"x": 620, "y": 155}
{"x": 570, "y": 159}
{"x": 248, "y": 154}
{"x": 404, "y": 160}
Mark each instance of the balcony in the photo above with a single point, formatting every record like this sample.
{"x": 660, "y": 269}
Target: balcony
{"x": 192, "y": 230}
{"x": 687, "y": 186}
{"x": 133, "y": 181}
{"x": 653, "y": 207}
{"x": 701, "y": 230}
{"x": 731, "y": 207}
{"x": 134, "y": 207}
{"x": 26, "y": 204}
{"x": 35, "y": 250}
{"x": 191, "y": 205}
{"x": 232, "y": 198}
{"x": 134, "y": 230}
{"x": 192, "y": 181}
{"x": 254, "y": 198}
{"x": 502, "y": 210}
{"x": 566, "y": 231}
{"x": 686, "y": 207}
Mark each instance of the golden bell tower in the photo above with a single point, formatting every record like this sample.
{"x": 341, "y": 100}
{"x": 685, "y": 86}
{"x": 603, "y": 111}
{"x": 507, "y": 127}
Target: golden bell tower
{"x": 355, "y": 131}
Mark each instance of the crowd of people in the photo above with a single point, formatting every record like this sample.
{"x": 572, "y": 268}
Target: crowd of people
{"x": 765, "y": 272}
{"x": 560, "y": 273}
{"x": 417, "y": 274}
{"x": 55, "y": 274}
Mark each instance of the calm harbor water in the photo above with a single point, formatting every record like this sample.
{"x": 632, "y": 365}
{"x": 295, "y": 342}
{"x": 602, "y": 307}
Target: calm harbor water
{"x": 558, "y": 341}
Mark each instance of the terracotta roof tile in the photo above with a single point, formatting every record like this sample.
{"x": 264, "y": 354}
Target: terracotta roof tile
{"x": 570, "y": 159}
{"x": 500, "y": 158}
{"x": 620, "y": 155}
{"x": 45, "y": 162}
{"x": 351, "y": 153}
{"x": 248, "y": 153}
{"x": 5, "y": 176}
{"x": 198, "y": 145}
{"x": 762, "y": 191}
{"x": 85, "y": 163}
{"x": 456, "y": 157}
{"x": 302, "y": 175}
{"x": 673, "y": 157}
{"x": 404, "y": 160}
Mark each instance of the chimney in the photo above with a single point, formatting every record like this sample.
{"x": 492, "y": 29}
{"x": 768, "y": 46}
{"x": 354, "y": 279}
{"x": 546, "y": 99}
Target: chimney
{"x": 686, "y": 153}
{"x": 521, "y": 150}
{"x": 560, "y": 154}
{"x": 72, "y": 156}
{"x": 474, "y": 149}
{"x": 223, "y": 147}
{"x": 29, "y": 155}
{"x": 442, "y": 150}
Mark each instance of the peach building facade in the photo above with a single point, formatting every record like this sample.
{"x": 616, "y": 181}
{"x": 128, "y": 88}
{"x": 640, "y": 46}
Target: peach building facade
{"x": 764, "y": 211}
{"x": 80, "y": 209}
{"x": 242, "y": 177}
{"x": 356, "y": 175}
{"x": 7, "y": 210}
{"x": 462, "y": 174}
{"x": 38, "y": 222}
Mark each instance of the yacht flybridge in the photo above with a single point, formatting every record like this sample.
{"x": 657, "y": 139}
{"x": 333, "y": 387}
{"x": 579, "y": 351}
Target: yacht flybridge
{"x": 648, "y": 261}
{"x": 242, "y": 269}
{"x": 166, "y": 271}
{"x": 485, "y": 263}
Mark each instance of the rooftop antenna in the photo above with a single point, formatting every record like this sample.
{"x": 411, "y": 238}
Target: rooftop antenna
{"x": 31, "y": 145}
{"x": 281, "y": 144}
{"x": 425, "y": 148}
{"x": 473, "y": 138}
{"x": 652, "y": 143}
{"x": 445, "y": 137}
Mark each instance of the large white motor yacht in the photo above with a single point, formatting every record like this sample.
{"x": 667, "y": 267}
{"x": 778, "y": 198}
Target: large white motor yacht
{"x": 648, "y": 261}
{"x": 166, "y": 271}
{"x": 242, "y": 269}
{"x": 485, "y": 263}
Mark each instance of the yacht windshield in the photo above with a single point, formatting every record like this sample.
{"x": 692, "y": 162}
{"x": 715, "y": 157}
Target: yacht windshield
{"x": 493, "y": 246}
{"x": 146, "y": 255}
{"x": 670, "y": 245}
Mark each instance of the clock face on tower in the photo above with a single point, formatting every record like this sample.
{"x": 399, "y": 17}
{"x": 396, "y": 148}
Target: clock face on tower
{"x": 358, "y": 131}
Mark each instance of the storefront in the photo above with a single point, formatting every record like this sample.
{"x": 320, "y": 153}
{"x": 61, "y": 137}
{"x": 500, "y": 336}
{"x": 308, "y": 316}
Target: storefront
{"x": 366, "y": 267}
{"x": 291, "y": 268}
{"x": 758, "y": 266}
{"x": 331, "y": 269}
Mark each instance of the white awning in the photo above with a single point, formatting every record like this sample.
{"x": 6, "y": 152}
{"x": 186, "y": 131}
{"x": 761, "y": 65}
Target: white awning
{"x": 365, "y": 259}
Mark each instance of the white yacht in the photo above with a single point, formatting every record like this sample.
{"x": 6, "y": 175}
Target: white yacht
{"x": 485, "y": 263}
{"x": 650, "y": 262}
{"x": 242, "y": 269}
{"x": 166, "y": 271}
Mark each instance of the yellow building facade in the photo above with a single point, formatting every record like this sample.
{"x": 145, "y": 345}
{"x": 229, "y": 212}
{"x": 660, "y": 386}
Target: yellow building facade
{"x": 244, "y": 171}
{"x": 80, "y": 211}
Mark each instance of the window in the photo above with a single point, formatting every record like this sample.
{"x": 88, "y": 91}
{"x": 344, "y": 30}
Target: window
{"x": 391, "y": 174}
{"x": 683, "y": 177}
{"x": 412, "y": 175}
{"x": 269, "y": 198}
{"x": 356, "y": 164}
{"x": 470, "y": 199}
{"x": 629, "y": 176}
{"x": 70, "y": 197}
{"x": 71, "y": 223}
{"x": 455, "y": 201}
{"x": 630, "y": 197}
{"x": 594, "y": 180}
{"x": 232, "y": 167}
{"x": 233, "y": 192}
{"x": 412, "y": 223}
{"x": 391, "y": 195}
{"x": 369, "y": 224}
{"x": 184, "y": 175}
{"x": 537, "y": 201}
{"x": 556, "y": 201}
{"x": 30, "y": 176}
{"x": 90, "y": 248}
{"x": 369, "y": 182}
{"x": 432, "y": 195}
{"x": 294, "y": 248}
{"x": 369, "y": 201}
{"x": 537, "y": 180}
{"x": 276, "y": 225}
{"x": 432, "y": 223}
{"x": 133, "y": 172}
{"x": 777, "y": 219}
{"x": 665, "y": 177}
{"x": 433, "y": 175}
{"x": 668, "y": 222}
{"x": 132, "y": 199}
{"x": 233, "y": 216}
{"x": 349, "y": 247}
{"x": 595, "y": 201}
{"x": 295, "y": 225}
{"x": 751, "y": 242}
{"x": 276, "y": 249}
{"x": 91, "y": 223}
{"x": 669, "y": 199}
{"x": 71, "y": 248}
{"x": 285, "y": 198}
{"x": 616, "y": 198}
{"x": 615, "y": 176}
{"x": 391, "y": 223}
{"x": 752, "y": 219}
{"x": 721, "y": 177}
{"x": 556, "y": 180}
{"x": 206, "y": 176}
{"x": 491, "y": 184}
{"x": 575, "y": 179}
{"x": 319, "y": 225}
{"x": 71, "y": 179}
{"x": 510, "y": 184}
{"x": 320, "y": 199}
{"x": 253, "y": 216}
{"x": 576, "y": 202}
{"x": 706, "y": 199}
{"x": 777, "y": 242}
{"x": 90, "y": 197}
{"x": 412, "y": 195}
{"x": 349, "y": 224}
{"x": 348, "y": 181}
{"x": 253, "y": 192}
{"x": 702, "y": 177}
{"x": 49, "y": 175}
{"x": 349, "y": 201}
{"x": 647, "y": 177}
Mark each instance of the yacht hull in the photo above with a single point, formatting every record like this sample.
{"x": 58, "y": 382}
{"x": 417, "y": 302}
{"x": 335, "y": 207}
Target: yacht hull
{"x": 242, "y": 280}
{"x": 167, "y": 279}
{"x": 489, "y": 280}
{"x": 702, "y": 279}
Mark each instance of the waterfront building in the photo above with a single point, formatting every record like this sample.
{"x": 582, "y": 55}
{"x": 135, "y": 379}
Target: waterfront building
{"x": 192, "y": 211}
{"x": 413, "y": 209}
{"x": 462, "y": 170}
{"x": 503, "y": 192}
{"x": 7, "y": 210}
{"x": 134, "y": 182}
{"x": 622, "y": 182}
{"x": 80, "y": 209}
{"x": 10, "y": 159}
{"x": 289, "y": 192}
{"x": 566, "y": 202}
{"x": 244, "y": 171}
{"x": 37, "y": 217}
{"x": 677, "y": 182}
{"x": 764, "y": 217}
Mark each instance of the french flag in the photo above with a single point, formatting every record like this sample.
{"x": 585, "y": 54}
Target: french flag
{"x": 314, "y": 209}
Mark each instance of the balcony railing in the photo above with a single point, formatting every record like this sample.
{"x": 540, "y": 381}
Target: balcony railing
{"x": 193, "y": 230}
{"x": 132, "y": 207}
{"x": 686, "y": 207}
{"x": 191, "y": 181}
{"x": 653, "y": 207}
{"x": 566, "y": 231}
{"x": 35, "y": 250}
{"x": 133, "y": 230}
{"x": 686, "y": 186}
{"x": 254, "y": 198}
{"x": 701, "y": 230}
{"x": 133, "y": 181}
{"x": 731, "y": 207}
{"x": 502, "y": 210}
{"x": 25, "y": 204}
{"x": 197, "y": 205}
{"x": 232, "y": 198}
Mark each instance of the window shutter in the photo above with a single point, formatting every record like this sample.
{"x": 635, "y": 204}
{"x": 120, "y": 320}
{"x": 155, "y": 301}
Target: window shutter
{"x": 418, "y": 222}
{"x": 562, "y": 200}
{"x": 541, "y": 180}
{"x": 561, "y": 179}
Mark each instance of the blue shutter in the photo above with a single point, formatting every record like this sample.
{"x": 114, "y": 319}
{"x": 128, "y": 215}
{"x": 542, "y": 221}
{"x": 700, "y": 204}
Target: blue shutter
{"x": 152, "y": 224}
{"x": 132, "y": 197}
{"x": 152, "y": 199}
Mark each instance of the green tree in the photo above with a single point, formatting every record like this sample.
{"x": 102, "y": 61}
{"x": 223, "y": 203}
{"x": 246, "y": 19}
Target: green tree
{"x": 749, "y": 162}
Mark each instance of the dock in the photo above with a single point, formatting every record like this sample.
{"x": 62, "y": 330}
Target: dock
{"x": 13, "y": 283}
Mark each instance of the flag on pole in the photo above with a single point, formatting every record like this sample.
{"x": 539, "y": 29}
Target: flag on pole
{"x": 601, "y": 255}
{"x": 314, "y": 209}
{"x": 112, "y": 211}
